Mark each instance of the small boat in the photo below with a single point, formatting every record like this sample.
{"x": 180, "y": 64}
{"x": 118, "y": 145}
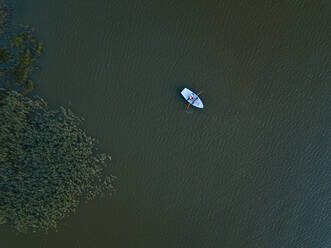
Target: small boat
{"x": 192, "y": 98}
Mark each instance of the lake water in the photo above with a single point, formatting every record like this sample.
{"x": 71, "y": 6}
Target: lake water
{"x": 250, "y": 170}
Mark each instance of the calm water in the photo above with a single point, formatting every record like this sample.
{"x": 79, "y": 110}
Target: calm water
{"x": 251, "y": 170}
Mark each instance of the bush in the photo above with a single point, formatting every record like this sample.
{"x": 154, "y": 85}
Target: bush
{"x": 48, "y": 165}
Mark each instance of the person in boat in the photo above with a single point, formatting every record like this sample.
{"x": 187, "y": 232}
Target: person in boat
{"x": 190, "y": 97}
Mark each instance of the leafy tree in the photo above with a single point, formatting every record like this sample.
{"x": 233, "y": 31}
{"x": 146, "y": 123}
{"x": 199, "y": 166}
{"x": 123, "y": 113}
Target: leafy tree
{"x": 48, "y": 164}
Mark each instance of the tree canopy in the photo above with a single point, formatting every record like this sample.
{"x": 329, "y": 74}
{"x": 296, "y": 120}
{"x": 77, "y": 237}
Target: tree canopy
{"x": 19, "y": 53}
{"x": 48, "y": 164}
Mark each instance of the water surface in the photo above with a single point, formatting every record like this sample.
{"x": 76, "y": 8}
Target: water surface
{"x": 250, "y": 170}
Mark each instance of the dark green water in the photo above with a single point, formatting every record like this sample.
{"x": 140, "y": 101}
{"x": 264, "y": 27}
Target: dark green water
{"x": 251, "y": 170}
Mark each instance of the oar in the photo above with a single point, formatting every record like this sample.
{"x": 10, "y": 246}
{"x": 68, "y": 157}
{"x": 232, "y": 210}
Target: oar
{"x": 188, "y": 105}
{"x": 199, "y": 93}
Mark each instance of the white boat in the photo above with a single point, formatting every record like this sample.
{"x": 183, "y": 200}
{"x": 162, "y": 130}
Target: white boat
{"x": 192, "y": 98}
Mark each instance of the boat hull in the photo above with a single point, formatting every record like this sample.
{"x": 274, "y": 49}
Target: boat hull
{"x": 186, "y": 93}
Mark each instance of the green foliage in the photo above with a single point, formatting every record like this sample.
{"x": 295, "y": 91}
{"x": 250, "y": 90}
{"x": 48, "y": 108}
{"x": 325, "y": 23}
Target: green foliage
{"x": 4, "y": 13}
{"x": 19, "y": 59}
{"x": 4, "y": 55}
{"x": 18, "y": 62}
{"x": 48, "y": 165}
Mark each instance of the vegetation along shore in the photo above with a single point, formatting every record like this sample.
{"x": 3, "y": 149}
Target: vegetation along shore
{"x": 48, "y": 164}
